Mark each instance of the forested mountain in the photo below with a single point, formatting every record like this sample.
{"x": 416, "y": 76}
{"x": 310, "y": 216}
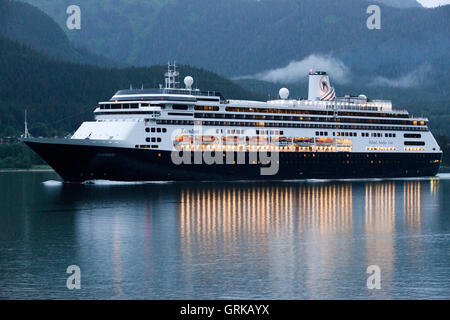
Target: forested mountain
{"x": 30, "y": 26}
{"x": 245, "y": 37}
{"x": 59, "y": 95}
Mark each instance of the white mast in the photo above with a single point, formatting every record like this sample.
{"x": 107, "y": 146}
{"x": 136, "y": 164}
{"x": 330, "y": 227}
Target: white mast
{"x": 26, "y": 134}
{"x": 172, "y": 76}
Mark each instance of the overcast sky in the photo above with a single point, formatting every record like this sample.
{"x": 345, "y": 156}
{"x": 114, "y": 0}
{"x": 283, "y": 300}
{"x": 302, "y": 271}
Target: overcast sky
{"x": 433, "y": 3}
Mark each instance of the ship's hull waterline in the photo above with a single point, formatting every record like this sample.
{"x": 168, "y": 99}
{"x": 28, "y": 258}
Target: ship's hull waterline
{"x": 80, "y": 163}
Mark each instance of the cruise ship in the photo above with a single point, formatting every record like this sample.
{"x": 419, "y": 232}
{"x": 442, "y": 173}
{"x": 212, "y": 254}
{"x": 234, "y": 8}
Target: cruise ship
{"x": 185, "y": 134}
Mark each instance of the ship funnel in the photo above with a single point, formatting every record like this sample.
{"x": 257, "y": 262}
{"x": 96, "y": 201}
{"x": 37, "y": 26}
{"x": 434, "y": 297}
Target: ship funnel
{"x": 320, "y": 87}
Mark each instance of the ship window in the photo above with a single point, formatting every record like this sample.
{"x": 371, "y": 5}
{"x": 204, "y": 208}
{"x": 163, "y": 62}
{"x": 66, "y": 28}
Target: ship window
{"x": 164, "y": 130}
{"x": 126, "y": 106}
{"x": 412, "y": 135}
{"x": 180, "y": 107}
{"x": 158, "y": 140}
{"x": 158, "y": 130}
{"x": 414, "y": 143}
{"x": 147, "y": 139}
{"x": 116, "y": 106}
{"x": 145, "y": 105}
{"x": 153, "y": 139}
{"x": 153, "y": 130}
{"x": 147, "y": 129}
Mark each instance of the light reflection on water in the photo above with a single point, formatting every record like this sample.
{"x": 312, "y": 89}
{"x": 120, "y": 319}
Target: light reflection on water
{"x": 262, "y": 240}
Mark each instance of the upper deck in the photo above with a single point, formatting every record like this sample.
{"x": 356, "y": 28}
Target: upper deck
{"x": 322, "y": 105}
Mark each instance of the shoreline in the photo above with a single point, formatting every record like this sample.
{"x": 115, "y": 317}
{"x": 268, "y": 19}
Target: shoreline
{"x": 442, "y": 170}
{"x": 26, "y": 170}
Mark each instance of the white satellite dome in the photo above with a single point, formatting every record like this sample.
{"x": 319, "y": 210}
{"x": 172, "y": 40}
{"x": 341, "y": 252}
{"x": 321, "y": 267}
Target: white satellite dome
{"x": 188, "y": 81}
{"x": 284, "y": 93}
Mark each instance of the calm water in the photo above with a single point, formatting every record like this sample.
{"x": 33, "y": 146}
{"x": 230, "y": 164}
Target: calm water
{"x": 282, "y": 240}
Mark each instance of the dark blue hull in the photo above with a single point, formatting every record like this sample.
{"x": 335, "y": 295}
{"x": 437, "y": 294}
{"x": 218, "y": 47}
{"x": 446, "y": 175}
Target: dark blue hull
{"x": 78, "y": 163}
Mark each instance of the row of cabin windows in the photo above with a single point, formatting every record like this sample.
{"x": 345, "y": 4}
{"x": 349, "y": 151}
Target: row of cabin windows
{"x": 153, "y": 139}
{"x": 378, "y": 135}
{"x": 230, "y": 131}
{"x": 113, "y": 106}
{"x": 301, "y": 118}
{"x": 315, "y": 112}
{"x": 259, "y": 132}
{"x": 206, "y": 108}
{"x": 120, "y": 106}
{"x": 158, "y": 130}
{"x": 345, "y": 134}
{"x": 271, "y": 132}
{"x": 144, "y": 146}
{"x": 287, "y": 125}
{"x": 354, "y": 134}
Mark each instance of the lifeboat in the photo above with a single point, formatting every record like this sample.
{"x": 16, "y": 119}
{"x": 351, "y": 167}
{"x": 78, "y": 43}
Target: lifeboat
{"x": 205, "y": 140}
{"x": 345, "y": 143}
{"x": 325, "y": 142}
{"x": 304, "y": 142}
{"x": 182, "y": 140}
{"x": 232, "y": 140}
{"x": 258, "y": 141}
{"x": 281, "y": 141}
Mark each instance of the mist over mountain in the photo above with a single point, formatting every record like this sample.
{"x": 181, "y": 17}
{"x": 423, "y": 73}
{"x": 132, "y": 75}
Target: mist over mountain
{"x": 400, "y": 3}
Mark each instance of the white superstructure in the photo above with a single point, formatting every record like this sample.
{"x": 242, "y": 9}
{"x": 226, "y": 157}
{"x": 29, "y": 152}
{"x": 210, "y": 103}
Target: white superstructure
{"x": 159, "y": 118}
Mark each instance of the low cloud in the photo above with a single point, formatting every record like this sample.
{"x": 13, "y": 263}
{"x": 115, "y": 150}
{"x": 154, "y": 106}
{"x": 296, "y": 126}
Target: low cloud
{"x": 297, "y": 71}
{"x": 412, "y": 79}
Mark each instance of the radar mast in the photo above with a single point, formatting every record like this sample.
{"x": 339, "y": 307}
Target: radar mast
{"x": 172, "y": 76}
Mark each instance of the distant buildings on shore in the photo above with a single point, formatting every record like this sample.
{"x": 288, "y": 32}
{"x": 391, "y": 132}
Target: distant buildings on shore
{"x": 8, "y": 140}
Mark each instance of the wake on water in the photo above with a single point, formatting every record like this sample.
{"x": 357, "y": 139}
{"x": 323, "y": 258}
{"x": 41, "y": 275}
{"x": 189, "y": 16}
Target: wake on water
{"x": 441, "y": 176}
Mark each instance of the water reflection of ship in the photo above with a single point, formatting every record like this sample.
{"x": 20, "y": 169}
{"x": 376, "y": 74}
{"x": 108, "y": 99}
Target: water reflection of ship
{"x": 412, "y": 206}
{"x": 208, "y": 213}
{"x": 380, "y": 228}
{"x": 380, "y": 207}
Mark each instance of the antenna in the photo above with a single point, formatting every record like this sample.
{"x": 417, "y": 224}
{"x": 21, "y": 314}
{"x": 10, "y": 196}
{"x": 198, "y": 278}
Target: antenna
{"x": 26, "y": 134}
{"x": 171, "y": 76}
